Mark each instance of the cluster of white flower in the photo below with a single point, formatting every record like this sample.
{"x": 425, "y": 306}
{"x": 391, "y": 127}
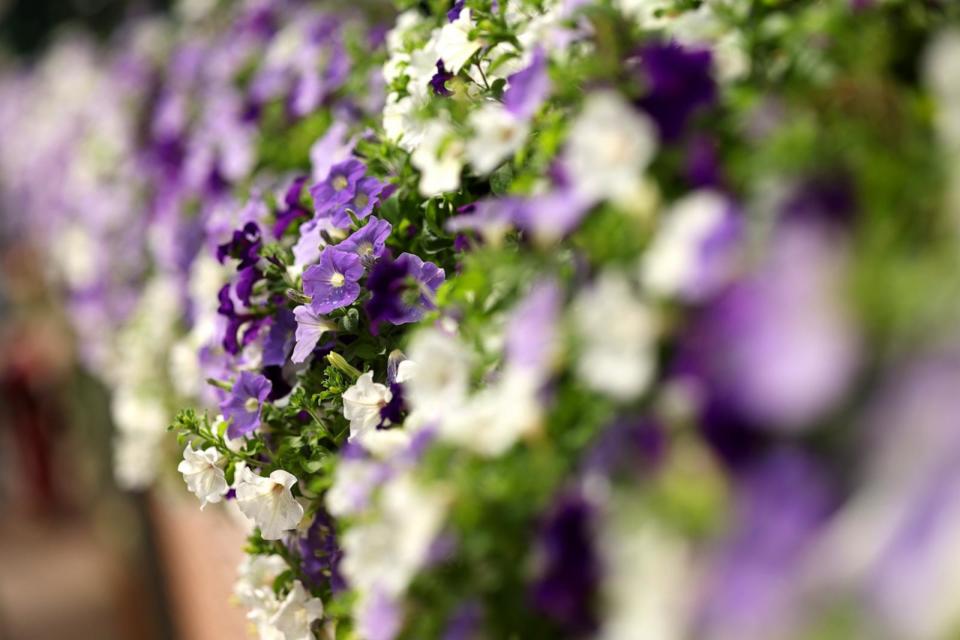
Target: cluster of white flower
{"x": 275, "y": 619}
{"x": 266, "y": 501}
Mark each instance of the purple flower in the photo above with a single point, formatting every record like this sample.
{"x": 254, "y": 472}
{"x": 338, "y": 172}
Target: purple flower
{"x": 310, "y": 327}
{"x": 380, "y": 618}
{"x": 292, "y": 208}
{"x": 339, "y": 187}
{"x": 529, "y": 87}
{"x": 551, "y": 216}
{"x": 244, "y": 246}
{"x": 320, "y": 554}
{"x": 246, "y": 279}
{"x": 753, "y": 588}
{"x": 333, "y": 282}
{"x": 531, "y": 331}
{"x": 775, "y": 350}
{"x": 244, "y": 404}
{"x": 566, "y": 586}
{"x": 366, "y": 195}
{"x": 402, "y": 290}
{"x": 369, "y": 242}
{"x": 312, "y": 238}
{"x": 679, "y": 83}
{"x": 439, "y": 81}
{"x": 279, "y": 339}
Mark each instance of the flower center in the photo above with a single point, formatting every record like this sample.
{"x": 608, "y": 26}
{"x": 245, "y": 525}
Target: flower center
{"x": 361, "y": 200}
{"x": 337, "y": 279}
{"x": 365, "y": 249}
{"x": 251, "y": 404}
{"x": 340, "y": 183}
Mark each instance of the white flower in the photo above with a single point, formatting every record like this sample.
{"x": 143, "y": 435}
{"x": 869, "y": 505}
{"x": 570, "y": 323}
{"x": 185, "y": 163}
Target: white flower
{"x": 254, "y": 590}
{"x": 497, "y": 134}
{"x": 454, "y": 45}
{"x": 439, "y": 158}
{"x": 406, "y": 371}
{"x": 617, "y": 332}
{"x": 385, "y": 551}
{"x": 402, "y": 123}
{"x": 647, "y": 578}
{"x": 493, "y": 419}
{"x": 672, "y": 263}
{"x": 609, "y": 147}
{"x": 203, "y": 473}
{"x": 269, "y": 502}
{"x": 362, "y": 403}
{"x": 437, "y": 383}
{"x": 296, "y": 613}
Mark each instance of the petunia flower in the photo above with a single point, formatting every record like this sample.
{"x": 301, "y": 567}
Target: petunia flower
{"x": 497, "y": 134}
{"x": 310, "y": 327}
{"x": 529, "y": 87}
{"x": 339, "y": 187}
{"x": 365, "y": 197}
{"x": 362, "y": 404}
{"x": 243, "y": 406}
{"x": 269, "y": 502}
{"x": 679, "y": 84}
{"x": 369, "y": 242}
{"x": 244, "y": 245}
{"x": 203, "y": 472}
{"x": 454, "y": 45}
{"x": 402, "y": 289}
{"x": 333, "y": 282}
{"x": 297, "y": 613}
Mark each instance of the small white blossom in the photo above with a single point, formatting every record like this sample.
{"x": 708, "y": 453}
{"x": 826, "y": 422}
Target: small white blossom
{"x": 362, "y": 403}
{"x": 439, "y": 158}
{"x": 617, "y": 332}
{"x": 203, "y": 473}
{"x": 647, "y": 578}
{"x": 672, "y": 263}
{"x": 609, "y": 147}
{"x": 296, "y": 613}
{"x": 254, "y": 590}
{"x": 493, "y": 419}
{"x": 386, "y": 551}
{"x": 454, "y": 45}
{"x": 438, "y": 382}
{"x": 269, "y": 502}
{"x": 497, "y": 135}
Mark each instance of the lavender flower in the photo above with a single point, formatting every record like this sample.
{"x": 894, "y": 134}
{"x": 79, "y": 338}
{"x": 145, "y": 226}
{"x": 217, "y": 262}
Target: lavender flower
{"x": 531, "y": 331}
{"x": 366, "y": 196}
{"x": 529, "y": 87}
{"x": 310, "y": 327}
{"x": 333, "y": 282}
{"x": 244, "y": 404}
{"x": 369, "y": 242}
{"x": 339, "y": 187}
